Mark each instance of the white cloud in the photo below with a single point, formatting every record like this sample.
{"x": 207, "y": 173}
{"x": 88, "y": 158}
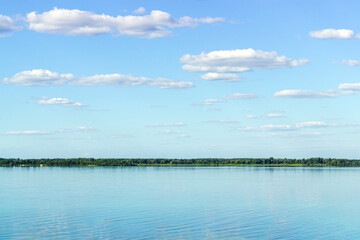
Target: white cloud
{"x": 240, "y": 96}
{"x": 239, "y": 60}
{"x": 350, "y": 86}
{"x": 59, "y": 101}
{"x": 140, "y": 10}
{"x": 350, "y": 62}
{"x": 223, "y": 77}
{"x": 7, "y": 24}
{"x": 331, "y": 33}
{"x": 307, "y": 94}
{"x": 178, "y": 124}
{"x": 76, "y": 22}
{"x": 40, "y": 77}
{"x": 28, "y": 132}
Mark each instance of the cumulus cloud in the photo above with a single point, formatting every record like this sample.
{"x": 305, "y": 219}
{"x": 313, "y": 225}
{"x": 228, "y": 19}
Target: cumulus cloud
{"x": 140, "y": 10}
{"x": 350, "y": 62}
{"x": 223, "y": 77}
{"x": 178, "y": 124}
{"x": 331, "y": 33}
{"x": 239, "y": 60}
{"x": 28, "y": 132}
{"x": 59, "y": 101}
{"x": 7, "y": 24}
{"x": 240, "y": 96}
{"x": 307, "y": 94}
{"x": 76, "y": 22}
{"x": 40, "y": 77}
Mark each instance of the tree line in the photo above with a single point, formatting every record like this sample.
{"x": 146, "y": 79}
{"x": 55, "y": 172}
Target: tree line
{"x": 71, "y": 162}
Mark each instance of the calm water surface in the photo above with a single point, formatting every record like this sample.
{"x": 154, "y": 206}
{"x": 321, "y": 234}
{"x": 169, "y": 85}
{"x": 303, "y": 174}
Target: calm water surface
{"x": 179, "y": 203}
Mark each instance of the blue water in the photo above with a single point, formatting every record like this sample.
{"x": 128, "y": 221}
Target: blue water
{"x": 179, "y": 203}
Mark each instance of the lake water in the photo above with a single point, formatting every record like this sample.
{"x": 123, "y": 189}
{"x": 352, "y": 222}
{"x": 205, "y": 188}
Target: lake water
{"x": 179, "y": 203}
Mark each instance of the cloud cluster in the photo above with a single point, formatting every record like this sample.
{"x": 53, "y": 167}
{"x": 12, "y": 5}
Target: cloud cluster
{"x": 40, "y": 77}
{"x": 7, "y": 24}
{"x": 331, "y": 33}
{"x": 59, "y": 101}
{"x": 77, "y": 22}
{"x": 239, "y": 60}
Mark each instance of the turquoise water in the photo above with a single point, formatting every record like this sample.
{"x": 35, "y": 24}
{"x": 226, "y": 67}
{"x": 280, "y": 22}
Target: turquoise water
{"x": 179, "y": 203}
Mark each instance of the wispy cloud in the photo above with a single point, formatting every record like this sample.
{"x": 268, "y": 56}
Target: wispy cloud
{"x": 270, "y": 115}
{"x": 222, "y": 122}
{"x": 77, "y": 129}
{"x": 157, "y": 24}
{"x": 178, "y": 124}
{"x": 307, "y": 94}
{"x": 59, "y": 101}
{"x": 331, "y": 33}
{"x": 122, "y": 136}
{"x": 40, "y": 77}
{"x": 27, "y": 132}
{"x": 38, "y": 132}
{"x": 240, "y": 96}
{"x": 222, "y": 77}
{"x": 350, "y": 62}
{"x": 302, "y": 125}
{"x": 350, "y": 86}
{"x": 176, "y": 133}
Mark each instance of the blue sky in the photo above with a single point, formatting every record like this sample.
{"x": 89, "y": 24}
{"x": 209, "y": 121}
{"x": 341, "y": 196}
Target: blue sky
{"x": 182, "y": 79}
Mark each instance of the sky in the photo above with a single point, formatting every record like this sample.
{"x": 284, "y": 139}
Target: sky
{"x": 179, "y": 79}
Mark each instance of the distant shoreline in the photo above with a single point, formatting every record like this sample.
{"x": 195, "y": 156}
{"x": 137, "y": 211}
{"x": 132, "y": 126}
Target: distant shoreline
{"x": 127, "y": 162}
